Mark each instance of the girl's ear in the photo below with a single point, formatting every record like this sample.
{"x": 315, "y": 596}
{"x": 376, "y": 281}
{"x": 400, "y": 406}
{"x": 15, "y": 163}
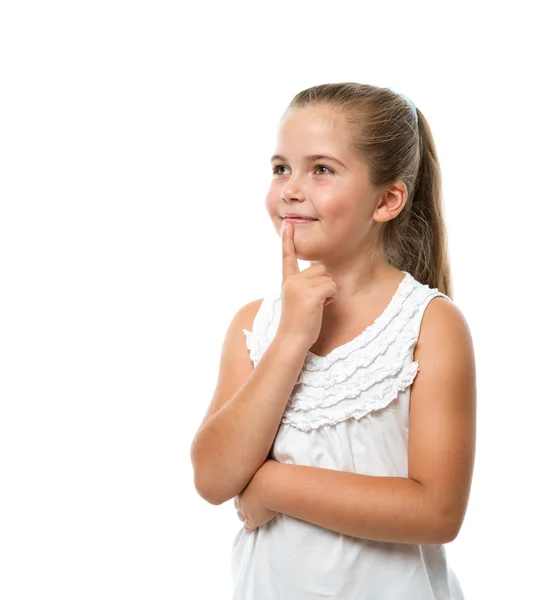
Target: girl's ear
{"x": 391, "y": 203}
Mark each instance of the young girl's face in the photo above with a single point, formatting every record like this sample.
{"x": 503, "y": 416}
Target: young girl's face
{"x": 338, "y": 195}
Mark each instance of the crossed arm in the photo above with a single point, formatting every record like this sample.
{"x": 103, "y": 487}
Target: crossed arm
{"x": 427, "y": 507}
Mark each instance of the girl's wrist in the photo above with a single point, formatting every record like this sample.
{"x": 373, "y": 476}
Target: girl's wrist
{"x": 268, "y": 473}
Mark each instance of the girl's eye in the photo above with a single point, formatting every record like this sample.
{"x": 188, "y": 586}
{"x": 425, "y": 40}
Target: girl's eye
{"x": 324, "y": 167}
{"x": 276, "y": 167}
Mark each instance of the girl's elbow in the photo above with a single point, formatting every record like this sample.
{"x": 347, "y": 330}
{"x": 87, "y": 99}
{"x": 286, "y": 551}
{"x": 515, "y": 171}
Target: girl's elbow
{"x": 448, "y": 528}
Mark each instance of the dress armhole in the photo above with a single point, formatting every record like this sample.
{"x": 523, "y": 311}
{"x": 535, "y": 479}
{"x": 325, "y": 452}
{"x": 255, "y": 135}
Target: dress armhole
{"x": 434, "y": 293}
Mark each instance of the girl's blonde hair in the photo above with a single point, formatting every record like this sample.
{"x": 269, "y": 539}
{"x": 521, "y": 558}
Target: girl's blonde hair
{"x": 382, "y": 130}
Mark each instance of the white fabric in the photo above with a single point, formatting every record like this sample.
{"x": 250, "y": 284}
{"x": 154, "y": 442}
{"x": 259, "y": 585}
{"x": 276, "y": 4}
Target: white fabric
{"x": 348, "y": 411}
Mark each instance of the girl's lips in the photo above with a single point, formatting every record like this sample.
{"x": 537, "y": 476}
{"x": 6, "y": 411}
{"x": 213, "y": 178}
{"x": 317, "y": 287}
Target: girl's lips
{"x": 296, "y": 220}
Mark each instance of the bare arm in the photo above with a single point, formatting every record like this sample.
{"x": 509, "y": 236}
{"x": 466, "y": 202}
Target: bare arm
{"x": 238, "y": 431}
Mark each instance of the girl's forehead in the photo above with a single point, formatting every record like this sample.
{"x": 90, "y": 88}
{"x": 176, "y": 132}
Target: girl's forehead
{"x": 311, "y": 131}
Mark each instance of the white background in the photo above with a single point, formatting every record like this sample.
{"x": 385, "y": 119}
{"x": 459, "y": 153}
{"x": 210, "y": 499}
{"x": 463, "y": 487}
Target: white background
{"x": 135, "y": 140}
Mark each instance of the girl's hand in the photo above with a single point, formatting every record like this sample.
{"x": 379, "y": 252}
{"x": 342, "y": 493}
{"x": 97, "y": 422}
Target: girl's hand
{"x": 250, "y": 503}
{"x": 304, "y": 293}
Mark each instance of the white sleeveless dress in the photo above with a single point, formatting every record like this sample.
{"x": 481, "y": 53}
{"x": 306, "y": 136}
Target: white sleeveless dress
{"x": 348, "y": 411}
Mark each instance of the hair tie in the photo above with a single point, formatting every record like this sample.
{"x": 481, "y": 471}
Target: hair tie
{"x": 408, "y": 100}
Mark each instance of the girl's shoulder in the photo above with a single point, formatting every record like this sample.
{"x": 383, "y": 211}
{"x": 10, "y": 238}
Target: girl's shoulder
{"x": 422, "y": 300}
{"x": 438, "y": 322}
{"x": 263, "y": 308}
{"x": 442, "y": 320}
{"x": 262, "y": 320}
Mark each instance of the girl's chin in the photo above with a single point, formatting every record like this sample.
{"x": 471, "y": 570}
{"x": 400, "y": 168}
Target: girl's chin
{"x": 309, "y": 255}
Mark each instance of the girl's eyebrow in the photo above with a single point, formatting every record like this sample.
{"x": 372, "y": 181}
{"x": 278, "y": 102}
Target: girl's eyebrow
{"x": 311, "y": 158}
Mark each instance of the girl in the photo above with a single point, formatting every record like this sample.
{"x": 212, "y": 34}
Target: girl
{"x": 344, "y": 424}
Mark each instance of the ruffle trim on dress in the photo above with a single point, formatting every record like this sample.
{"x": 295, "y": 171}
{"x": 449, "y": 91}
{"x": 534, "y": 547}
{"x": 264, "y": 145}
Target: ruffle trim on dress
{"x": 257, "y": 345}
{"x": 313, "y": 362}
{"x": 258, "y": 339}
{"x": 324, "y": 396}
{"x": 316, "y": 418}
{"x": 307, "y": 397}
{"x": 341, "y": 369}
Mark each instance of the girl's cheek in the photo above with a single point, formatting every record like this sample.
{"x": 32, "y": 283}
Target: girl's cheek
{"x": 273, "y": 207}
